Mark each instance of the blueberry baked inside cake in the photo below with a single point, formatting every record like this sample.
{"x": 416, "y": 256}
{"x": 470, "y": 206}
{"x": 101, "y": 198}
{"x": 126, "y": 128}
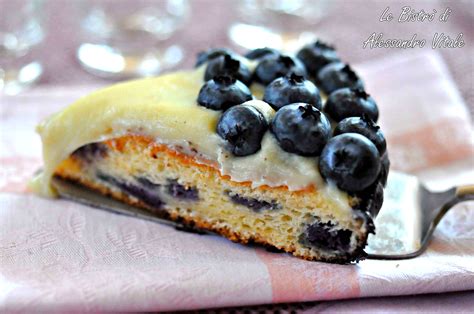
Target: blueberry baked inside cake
{"x": 273, "y": 148}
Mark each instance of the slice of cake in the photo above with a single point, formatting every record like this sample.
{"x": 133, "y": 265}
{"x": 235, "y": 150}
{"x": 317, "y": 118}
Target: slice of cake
{"x": 241, "y": 146}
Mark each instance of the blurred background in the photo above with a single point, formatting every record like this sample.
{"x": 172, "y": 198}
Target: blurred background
{"x": 82, "y": 42}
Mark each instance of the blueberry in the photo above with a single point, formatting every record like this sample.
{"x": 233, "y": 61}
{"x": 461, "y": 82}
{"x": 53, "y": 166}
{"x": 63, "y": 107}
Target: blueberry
{"x": 346, "y": 102}
{"x": 301, "y": 129}
{"x": 228, "y": 65}
{"x": 317, "y": 55}
{"x": 260, "y": 53}
{"x": 147, "y": 183}
{"x": 253, "y": 203}
{"x": 371, "y": 199}
{"x": 91, "y": 152}
{"x": 211, "y": 54}
{"x": 326, "y": 236}
{"x": 179, "y": 191}
{"x": 147, "y": 194}
{"x": 291, "y": 89}
{"x": 275, "y": 66}
{"x": 385, "y": 169}
{"x": 223, "y": 92}
{"x": 365, "y": 126}
{"x": 337, "y": 75}
{"x": 350, "y": 161}
{"x": 242, "y": 127}
{"x": 375, "y": 200}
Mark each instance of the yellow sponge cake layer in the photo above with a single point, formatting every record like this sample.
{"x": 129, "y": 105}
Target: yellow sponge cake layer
{"x": 176, "y": 185}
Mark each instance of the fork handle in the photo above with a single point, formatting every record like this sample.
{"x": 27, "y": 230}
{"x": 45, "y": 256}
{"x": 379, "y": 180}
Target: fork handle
{"x": 465, "y": 192}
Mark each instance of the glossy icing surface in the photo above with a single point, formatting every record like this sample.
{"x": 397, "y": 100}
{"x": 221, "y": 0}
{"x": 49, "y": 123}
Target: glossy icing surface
{"x": 165, "y": 109}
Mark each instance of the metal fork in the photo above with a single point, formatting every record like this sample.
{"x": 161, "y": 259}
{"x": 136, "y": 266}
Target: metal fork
{"x": 409, "y": 215}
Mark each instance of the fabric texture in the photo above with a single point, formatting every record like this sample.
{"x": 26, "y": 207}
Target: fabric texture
{"x": 62, "y": 256}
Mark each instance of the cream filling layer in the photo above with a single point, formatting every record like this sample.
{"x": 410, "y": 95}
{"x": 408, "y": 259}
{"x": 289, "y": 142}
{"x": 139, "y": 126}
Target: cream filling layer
{"x": 165, "y": 108}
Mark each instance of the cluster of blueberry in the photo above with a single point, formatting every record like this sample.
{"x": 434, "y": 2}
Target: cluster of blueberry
{"x": 352, "y": 155}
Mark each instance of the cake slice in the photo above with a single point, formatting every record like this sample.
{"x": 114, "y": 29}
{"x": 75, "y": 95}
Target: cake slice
{"x": 203, "y": 149}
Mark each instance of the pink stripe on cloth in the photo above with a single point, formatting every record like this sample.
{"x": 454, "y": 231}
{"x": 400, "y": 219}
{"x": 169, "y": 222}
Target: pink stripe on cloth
{"x": 423, "y": 116}
{"x": 430, "y": 145}
{"x": 298, "y": 280}
{"x": 16, "y": 172}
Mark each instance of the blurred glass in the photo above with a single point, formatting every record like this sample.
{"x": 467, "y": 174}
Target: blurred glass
{"x": 279, "y": 24}
{"x": 20, "y": 31}
{"x": 123, "y": 38}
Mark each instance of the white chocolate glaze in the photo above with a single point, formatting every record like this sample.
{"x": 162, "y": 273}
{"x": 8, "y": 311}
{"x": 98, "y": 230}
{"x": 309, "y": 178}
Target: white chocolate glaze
{"x": 165, "y": 108}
